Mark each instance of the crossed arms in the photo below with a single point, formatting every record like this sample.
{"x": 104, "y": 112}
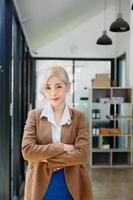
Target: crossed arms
{"x": 55, "y": 155}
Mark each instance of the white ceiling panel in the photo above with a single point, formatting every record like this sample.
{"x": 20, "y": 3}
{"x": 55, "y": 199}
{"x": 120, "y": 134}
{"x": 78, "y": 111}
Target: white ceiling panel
{"x": 45, "y": 21}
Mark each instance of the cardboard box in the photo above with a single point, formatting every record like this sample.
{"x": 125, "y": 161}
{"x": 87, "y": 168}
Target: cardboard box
{"x": 101, "y": 83}
{"x": 101, "y": 80}
{"x": 102, "y": 76}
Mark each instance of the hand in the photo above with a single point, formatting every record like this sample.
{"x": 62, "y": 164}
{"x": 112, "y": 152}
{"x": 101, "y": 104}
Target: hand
{"x": 68, "y": 147}
{"x": 45, "y": 161}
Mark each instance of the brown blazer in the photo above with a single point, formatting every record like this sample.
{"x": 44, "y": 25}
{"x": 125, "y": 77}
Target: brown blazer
{"x": 37, "y": 146}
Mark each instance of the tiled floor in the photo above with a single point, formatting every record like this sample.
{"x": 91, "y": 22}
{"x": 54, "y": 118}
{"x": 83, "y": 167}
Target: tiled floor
{"x": 112, "y": 184}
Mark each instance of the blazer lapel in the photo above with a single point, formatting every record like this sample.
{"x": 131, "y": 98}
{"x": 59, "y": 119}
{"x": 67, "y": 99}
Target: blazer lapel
{"x": 45, "y": 131}
{"x": 66, "y": 131}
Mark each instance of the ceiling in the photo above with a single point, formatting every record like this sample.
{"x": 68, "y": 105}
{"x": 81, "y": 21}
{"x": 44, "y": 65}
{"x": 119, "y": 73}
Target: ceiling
{"x": 44, "y": 21}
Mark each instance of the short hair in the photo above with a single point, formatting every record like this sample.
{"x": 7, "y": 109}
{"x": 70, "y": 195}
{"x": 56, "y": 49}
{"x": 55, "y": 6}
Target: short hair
{"x": 56, "y": 71}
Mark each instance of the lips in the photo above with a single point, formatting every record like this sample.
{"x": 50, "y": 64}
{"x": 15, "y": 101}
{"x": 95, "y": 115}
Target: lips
{"x": 55, "y": 99}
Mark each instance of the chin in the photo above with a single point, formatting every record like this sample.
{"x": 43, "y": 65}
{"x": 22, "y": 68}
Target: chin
{"x": 56, "y": 104}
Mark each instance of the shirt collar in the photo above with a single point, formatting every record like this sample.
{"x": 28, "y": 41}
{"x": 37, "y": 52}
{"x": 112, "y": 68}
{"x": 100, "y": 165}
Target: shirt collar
{"x": 48, "y": 112}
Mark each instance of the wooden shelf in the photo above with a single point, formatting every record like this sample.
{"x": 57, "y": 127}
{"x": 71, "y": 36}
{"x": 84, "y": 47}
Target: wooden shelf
{"x": 120, "y": 150}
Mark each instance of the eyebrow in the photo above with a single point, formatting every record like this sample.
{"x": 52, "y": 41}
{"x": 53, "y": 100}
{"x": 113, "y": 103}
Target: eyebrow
{"x": 55, "y": 84}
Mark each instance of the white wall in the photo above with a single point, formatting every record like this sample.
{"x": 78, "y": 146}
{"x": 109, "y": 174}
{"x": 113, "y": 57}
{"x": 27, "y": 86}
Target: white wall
{"x": 81, "y": 41}
{"x": 123, "y": 39}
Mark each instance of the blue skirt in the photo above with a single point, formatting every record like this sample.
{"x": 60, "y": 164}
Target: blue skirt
{"x": 57, "y": 188}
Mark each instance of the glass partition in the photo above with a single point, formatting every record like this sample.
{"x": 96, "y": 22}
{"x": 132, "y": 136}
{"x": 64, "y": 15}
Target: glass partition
{"x": 80, "y": 73}
{"x": 85, "y": 72}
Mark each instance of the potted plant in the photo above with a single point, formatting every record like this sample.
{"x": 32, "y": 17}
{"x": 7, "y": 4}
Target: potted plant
{"x": 105, "y": 143}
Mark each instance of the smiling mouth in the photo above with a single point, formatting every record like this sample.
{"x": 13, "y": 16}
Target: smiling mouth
{"x": 55, "y": 99}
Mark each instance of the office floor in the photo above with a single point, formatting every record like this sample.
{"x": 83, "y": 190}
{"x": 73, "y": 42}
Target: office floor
{"x": 112, "y": 184}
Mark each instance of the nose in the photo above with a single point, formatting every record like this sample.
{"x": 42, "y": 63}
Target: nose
{"x": 53, "y": 92}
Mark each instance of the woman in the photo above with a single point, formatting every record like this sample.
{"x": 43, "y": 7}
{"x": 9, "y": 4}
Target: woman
{"x": 55, "y": 144}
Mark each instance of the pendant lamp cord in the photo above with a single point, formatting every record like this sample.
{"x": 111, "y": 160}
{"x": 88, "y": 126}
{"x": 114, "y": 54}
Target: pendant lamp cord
{"x": 104, "y": 14}
{"x": 119, "y": 6}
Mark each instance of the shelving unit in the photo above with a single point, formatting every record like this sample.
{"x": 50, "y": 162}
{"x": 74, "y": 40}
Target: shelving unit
{"x": 111, "y": 108}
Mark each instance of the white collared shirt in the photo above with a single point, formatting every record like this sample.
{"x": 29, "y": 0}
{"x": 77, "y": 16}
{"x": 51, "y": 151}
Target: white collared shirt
{"x": 56, "y": 129}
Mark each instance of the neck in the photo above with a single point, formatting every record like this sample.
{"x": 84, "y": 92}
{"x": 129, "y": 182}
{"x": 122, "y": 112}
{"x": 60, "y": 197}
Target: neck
{"x": 59, "y": 109}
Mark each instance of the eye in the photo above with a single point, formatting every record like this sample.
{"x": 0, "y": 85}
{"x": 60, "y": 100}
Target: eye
{"x": 59, "y": 86}
{"x": 47, "y": 88}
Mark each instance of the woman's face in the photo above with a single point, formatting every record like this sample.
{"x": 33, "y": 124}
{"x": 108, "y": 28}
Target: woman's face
{"x": 55, "y": 91}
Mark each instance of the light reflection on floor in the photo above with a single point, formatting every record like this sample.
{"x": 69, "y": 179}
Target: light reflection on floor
{"x": 112, "y": 184}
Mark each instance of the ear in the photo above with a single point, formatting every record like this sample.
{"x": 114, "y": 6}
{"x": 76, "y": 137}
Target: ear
{"x": 68, "y": 87}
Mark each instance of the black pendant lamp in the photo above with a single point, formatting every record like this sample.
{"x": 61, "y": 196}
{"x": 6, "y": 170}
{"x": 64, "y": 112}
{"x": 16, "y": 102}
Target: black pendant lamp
{"x": 104, "y": 39}
{"x": 132, "y": 6}
{"x": 119, "y": 25}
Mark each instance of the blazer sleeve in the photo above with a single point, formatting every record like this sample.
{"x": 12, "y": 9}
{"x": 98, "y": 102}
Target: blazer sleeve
{"x": 32, "y": 151}
{"x": 80, "y": 153}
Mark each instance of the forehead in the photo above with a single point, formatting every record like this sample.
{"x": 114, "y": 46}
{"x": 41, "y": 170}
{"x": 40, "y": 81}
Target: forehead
{"x": 54, "y": 80}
